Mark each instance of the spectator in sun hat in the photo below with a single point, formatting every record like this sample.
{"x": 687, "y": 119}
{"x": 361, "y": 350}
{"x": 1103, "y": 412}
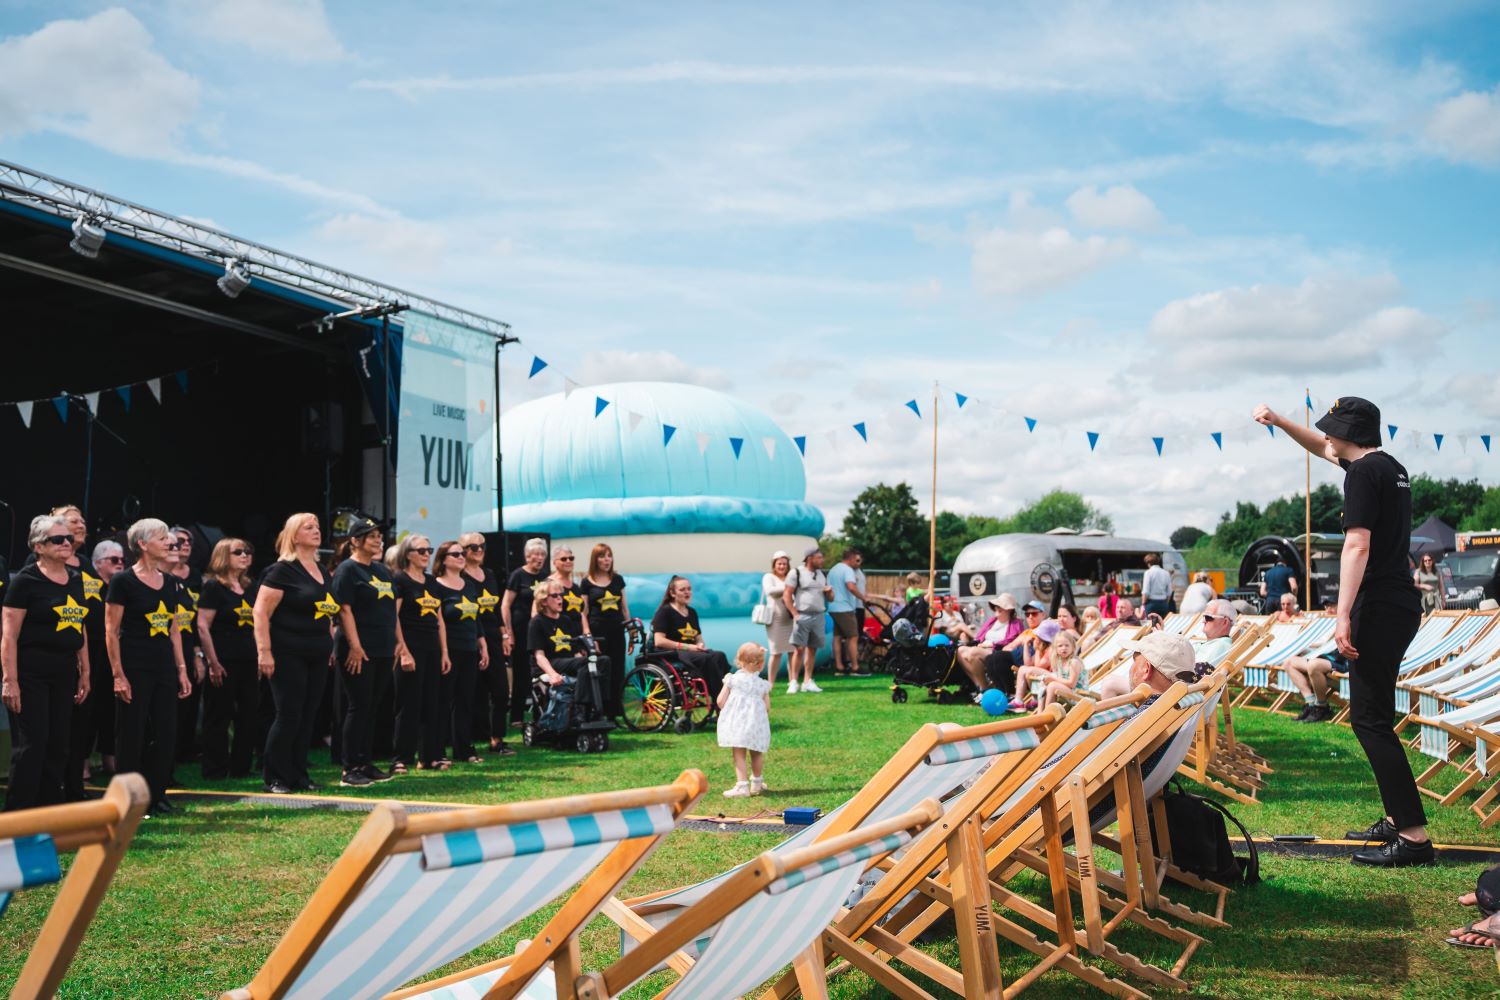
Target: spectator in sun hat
{"x": 996, "y": 632}
{"x": 1037, "y": 661}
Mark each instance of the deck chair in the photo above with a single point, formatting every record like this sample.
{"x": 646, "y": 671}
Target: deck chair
{"x": 1178, "y": 623}
{"x": 1287, "y": 640}
{"x": 412, "y": 893}
{"x": 1437, "y": 667}
{"x": 1472, "y": 662}
{"x": 1218, "y": 759}
{"x": 1109, "y": 652}
{"x": 1424, "y": 652}
{"x": 1450, "y": 737}
{"x": 31, "y": 841}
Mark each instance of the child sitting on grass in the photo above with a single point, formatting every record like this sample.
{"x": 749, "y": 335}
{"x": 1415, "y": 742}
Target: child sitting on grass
{"x": 745, "y": 719}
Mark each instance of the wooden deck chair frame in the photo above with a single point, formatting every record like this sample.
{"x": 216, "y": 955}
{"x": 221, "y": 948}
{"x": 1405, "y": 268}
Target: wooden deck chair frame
{"x": 1340, "y": 680}
{"x": 389, "y": 831}
{"x": 98, "y": 832}
{"x": 1474, "y": 763}
{"x": 1287, "y": 644}
{"x": 1429, "y": 691}
{"x": 1217, "y": 759}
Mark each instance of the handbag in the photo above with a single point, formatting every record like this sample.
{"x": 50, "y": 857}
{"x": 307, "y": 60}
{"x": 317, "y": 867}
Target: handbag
{"x": 763, "y": 613}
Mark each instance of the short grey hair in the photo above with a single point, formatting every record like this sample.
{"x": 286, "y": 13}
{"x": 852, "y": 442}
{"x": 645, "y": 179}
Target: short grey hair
{"x": 107, "y": 548}
{"x": 1223, "y": 609}
{"x": 41, "y": 529}
{"x": 535, "y": 545}
{"x": 558, "y": 550}
{"x": 142, "y": 531}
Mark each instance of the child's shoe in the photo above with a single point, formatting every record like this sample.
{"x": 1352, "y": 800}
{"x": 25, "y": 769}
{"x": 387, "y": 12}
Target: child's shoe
{"x": 757, "y": 785}
{"x": 740, "y": 790}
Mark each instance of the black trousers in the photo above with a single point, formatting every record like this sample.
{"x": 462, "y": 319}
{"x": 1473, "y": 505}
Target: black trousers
{"x": 419, "y": 709}
{"x": 146, "y": 729}
{"x": 359, "y": 694}
{"x": 611, "y": 638}
{"x": 39, "y": 733}
{"x": 710, "y": 664}
{"x": 1163, "y": 608}
{"x": 297, "y": 690}
{"x": 1000, "y": 668}
{"x": 234, "y": 703}
{"x": 491, "y": 716}
{"x": 93, "y": 724}
{"x": 188, "y": 708}
{"x": 1381, "y": 633}
{"x": 520, "y": 679}
{"x": 577, "y": 667}
{"x": 458, "y": 699}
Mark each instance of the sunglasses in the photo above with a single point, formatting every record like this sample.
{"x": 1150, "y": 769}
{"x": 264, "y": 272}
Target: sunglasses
{"x": 473, "y": 548}
{"x": 58, "y": 539}
{"x": 113, "y": 559}
{"x": 242, "y": 552}
{"x": 1032, "y": 611}
{"x": 554, "y": 597}
{"x": 1213, "y": 618}
{"x": 455, "y": 552}
{"x": 564, "y": 559}
{"x": 174, "y": 546}
{"x": 427, "y": 551}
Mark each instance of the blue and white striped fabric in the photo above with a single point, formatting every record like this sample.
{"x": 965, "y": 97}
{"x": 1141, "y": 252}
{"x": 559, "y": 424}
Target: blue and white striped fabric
{"x": 26, "y": 862}
{"x": 1428, "y": 638}
{"x": 1177, "y": 623}
{"x": 1285, "y": 641}
{"x": 1434, "y": 740}
{"x": 1109, "y": 715}
{"x": 543, "y": 987}
{"x": 843, "y": 859}
{"x": 1448, "y": 643}
{"x": 1190, "y": 699}
{"x": 1479, "y": 655}
{"x": 985, "y": 746}
{"x": 422, "y": 910}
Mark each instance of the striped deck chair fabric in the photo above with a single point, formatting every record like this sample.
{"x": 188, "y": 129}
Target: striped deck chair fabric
{"x": 1435, "y": 741}
{"x": 1441, "y": 644}
{"x": 1286, "y": 640}
{"x": 1479, "y": 653}
{"x": 25, "y": 863}
{"x": 1178, "y": 623}
{"x": 1460, "y": 690}
{"x": 1424, "y": 645}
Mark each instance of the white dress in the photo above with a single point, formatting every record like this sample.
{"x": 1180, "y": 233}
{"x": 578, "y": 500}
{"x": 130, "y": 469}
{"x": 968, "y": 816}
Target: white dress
{"x": 743, "y": 722}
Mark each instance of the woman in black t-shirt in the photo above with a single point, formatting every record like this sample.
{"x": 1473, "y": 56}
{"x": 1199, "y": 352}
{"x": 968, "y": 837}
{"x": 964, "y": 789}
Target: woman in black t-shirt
{"x": 226, "y": 632}
{"x": 294, "y": 617}
{"x": 674, "y": 627}
{"x": 575, "y": 606}
{"x": 93, "y": 722}
{"x": 44, "y": 661}
{"x": 189, "y": 589}
{"x": 608, "y": 612}
{"x": 422, "y": 659}
{"x": 467, "y": 652}
{"x": 515, "y": 615}
{"x": 366, "y": 652}
{"x": 145, "y": 657}
{"x": 492, "y": 706}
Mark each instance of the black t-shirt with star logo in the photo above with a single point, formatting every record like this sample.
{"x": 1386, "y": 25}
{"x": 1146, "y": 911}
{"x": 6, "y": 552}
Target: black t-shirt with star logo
{"x": 233, "y": 630}
{"x": 674, "y": 625}
{"x": 460, "y": 615}
{"x": 93, "y": 625}
{"x": 302, "y": 622}
{"x": 370, "y": 595}
{"x": 52, "y": 633}
{"x": 487, "y": 592}
{"x": 185, "y": 614}
{"x": 557, "y": 638}
{"x": 606, "y": 604}
{"x": 573, "y": 602}
{"x": 420, "y": 607}
{"x": 523, "y": 583}
{"x": 146, "y": 620}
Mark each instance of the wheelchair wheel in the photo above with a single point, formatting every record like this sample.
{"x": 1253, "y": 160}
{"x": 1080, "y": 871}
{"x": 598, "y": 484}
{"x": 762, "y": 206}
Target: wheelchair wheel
{"x": 647, "y": 699}
{"x": 698, "y": 704}
{"x": 528, "y": 734}
{"x": 601, "y": 742}
{"x": 898, "y": 695}
{"x": 585, "y": 743}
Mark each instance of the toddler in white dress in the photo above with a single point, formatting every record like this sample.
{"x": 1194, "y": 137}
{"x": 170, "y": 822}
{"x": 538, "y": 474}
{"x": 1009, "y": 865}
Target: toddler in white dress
{"x": 745, "y": 719}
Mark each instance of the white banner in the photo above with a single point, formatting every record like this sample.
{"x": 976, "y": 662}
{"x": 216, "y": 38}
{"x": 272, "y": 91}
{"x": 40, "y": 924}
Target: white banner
{"x": 445, "y": 462}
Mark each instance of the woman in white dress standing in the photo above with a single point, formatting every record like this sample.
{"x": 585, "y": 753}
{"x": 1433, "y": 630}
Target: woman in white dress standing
{"x": 745, "y": 720}
{"x": 779, "y": 631}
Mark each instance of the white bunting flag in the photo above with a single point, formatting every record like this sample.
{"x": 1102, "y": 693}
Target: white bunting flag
{"x": 24, "y": 409}
{"x": 155, "y": 386}
{"x": 1463, "y": 443}
{"x": 634, "y": 419}
{"x": 569, "y": 387}
{"x": 703, "y": 440}
{"x": 93, "y": 401}
{"x": 770, "y": 444}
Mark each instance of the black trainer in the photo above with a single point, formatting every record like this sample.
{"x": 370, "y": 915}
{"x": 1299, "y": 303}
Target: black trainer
{"x": 356, "y": 779}
{"x": 1380, "y": 832}
{"x": 376, "y": 774}
{"x": 1397, "y": 853}
{"x": 1320, "y": 713}
{"x": 1307, "y": 709}
{"x": 278, "y": 788}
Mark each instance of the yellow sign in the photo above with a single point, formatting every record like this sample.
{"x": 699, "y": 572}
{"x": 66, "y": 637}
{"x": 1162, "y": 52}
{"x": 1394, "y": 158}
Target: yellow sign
{"x": 245, "y": 614}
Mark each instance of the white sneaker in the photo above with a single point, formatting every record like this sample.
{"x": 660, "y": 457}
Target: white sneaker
{"x": 791, "y": 688}
{"x": 810, "y": 686}
{"x": 757, "y": 785}
{"x": 739, "y": 791}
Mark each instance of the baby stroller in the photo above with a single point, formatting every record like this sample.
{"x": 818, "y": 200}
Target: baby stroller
{"x": 570, "y": 713}
{"x": 915, "y": 661}
{"x": 660, "y": 691}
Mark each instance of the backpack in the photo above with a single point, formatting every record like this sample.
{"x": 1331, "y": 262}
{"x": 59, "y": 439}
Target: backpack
{"x": 1200, "y": 841}
{"x": 557, "y": 717}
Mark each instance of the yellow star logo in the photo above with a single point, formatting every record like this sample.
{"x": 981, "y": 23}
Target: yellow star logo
{"x": 93, "y": 587}
{"x": 159, "y": 620}
{"x": 245, "y": 613}
{"x": 610, "y": 601}
{"x": 688, "y": 633}
{"x": 561, "y": 642}
{"x": 383, "y": 589}
{"x": 428, "y": 604}
{"x": 326, "y": 608}
{"x": 71, "y": 615}
{"x": 467, "y": 609}
{"x": 193, "y": 594}
{"x": 183, "y": 619}
{"x": 487, "y": 602}
{"x": 572, "y": 601}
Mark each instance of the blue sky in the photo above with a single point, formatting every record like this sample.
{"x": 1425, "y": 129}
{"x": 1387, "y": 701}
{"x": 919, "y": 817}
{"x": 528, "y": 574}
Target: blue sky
{"x": 1139, "y": 220}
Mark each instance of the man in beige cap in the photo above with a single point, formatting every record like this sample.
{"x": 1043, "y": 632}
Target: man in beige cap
{"x": 1160, "y": 660}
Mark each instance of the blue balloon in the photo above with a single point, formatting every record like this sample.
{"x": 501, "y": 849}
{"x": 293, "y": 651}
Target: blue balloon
{"x": 939, "y": 639}
{"x": 994, "y": 702}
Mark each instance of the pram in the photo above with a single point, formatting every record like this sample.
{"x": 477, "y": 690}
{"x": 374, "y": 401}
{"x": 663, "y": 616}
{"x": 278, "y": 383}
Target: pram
{"x": 913, "y": 660}
{"x": 661, "y": 691}
{"x": 876, "y": 641}
{"x": 570, "y": 712}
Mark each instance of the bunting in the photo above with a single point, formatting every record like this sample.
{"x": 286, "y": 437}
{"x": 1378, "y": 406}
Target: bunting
{"x": 1218, "y": 437}
{"x": 537, "y": 364}
{"x": 1158, "y": 442}
{"x": 61, "y": 402}
{"x": 860, "y": 430}
{"x": 961, "y": 398}
{"x": 911, "y": 404}
{"x": 24, "y": 409}
{"x": 801, "y": 442}
{"x": 1030, "y": 424}
{"x": 736, "y": 444}
{"x": 600, "y": 405}
{"x": 1093, "y": 439}
{"x": 667, "y": 430}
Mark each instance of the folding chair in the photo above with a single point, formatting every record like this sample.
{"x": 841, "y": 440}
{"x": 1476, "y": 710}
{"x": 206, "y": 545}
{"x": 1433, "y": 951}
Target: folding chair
{"x": 1286, "y": 641}
{"x": 98, "y": 833}
{"x": 1421, "y": 653}
{"x": 1217, "y": 759}
{"x": 412, "y": 893}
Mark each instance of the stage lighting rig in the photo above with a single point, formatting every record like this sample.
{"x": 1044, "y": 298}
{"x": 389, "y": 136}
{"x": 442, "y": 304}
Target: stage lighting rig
{"x": 235, "y": 279}
{"x": 88, "y": 235}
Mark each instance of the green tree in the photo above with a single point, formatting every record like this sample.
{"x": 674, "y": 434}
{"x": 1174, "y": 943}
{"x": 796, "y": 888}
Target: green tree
{"x": 1236, "y": 531}
{"x": 1287, "y": 516}
{"x": 1186, "y": 537}
{"x": 1450, "y": 499}
{"x": 1486, "y": 514}
{"x": 952, "y": 536}
{"x": 884, "y": 522}
{"x": 1058, "y": 509}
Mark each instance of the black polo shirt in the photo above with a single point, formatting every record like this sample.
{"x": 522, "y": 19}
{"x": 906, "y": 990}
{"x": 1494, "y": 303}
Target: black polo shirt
{"x": 1377, "y": 496}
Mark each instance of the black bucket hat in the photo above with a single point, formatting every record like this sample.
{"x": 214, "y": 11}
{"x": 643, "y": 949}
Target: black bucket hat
{"x": 1353, "y": 419}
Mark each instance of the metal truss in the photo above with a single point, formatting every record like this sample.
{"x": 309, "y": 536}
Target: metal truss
{"x": 66, "y": 200}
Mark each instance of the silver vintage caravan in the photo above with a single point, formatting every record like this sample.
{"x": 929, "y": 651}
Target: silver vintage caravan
{"x": 1033, "y": 567}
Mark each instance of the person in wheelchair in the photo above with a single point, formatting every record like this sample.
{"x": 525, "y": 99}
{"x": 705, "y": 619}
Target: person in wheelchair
{"x": 557, "y": 645}
{"x": 675, "y": 630}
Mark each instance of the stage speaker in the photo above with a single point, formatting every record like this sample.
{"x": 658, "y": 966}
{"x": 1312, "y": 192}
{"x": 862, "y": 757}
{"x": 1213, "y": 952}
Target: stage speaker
{"x": 505, "y": 551}
{"x": 323, "y": 429}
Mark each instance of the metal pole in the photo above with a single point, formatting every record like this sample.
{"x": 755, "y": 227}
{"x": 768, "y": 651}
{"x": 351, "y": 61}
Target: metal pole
{"x": 499, "y": 466}
{"x": 1307, "y": 597}
{"x": 386, "y": 468}
{"x": 932, "y": 521}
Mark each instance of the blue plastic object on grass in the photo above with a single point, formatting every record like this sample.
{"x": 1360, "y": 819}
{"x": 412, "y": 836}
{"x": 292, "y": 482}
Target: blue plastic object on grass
{"x": 994, "y": 702}
{"x": 801, "y": 815}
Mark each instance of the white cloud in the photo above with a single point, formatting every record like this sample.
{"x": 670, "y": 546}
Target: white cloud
{"x": 99, "y": 79}
{"x": 1467, "y": 127}
{"x": 417, "y": 246}
{"x": 1010, "y": 262}
{"x": 1478, "y": 391}
{"x": 1329, "y": 324}
{"x": 297, "y": 30}
{"x": 646, "y": 366}
{"x": 1118, "y": 207}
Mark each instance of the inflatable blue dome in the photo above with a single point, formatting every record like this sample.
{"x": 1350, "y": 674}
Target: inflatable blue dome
{"x": 676, "y": 478}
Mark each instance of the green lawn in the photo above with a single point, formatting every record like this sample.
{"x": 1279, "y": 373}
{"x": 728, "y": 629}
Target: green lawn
{"x": 204, "y": 895}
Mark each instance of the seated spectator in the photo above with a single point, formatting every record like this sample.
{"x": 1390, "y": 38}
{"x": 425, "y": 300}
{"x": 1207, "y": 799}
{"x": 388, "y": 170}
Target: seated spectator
{"x": 1000, "y": 666}
{"x": 1195, "y": 599}
{"x": 1286, "y": 610}
{"x": 1067, "y": 617}
{"x": 1245, "y": 608}
{"x": 1037, "y": 664}
{"x": 1218, "y": 621}
{"x": 1125, "y": 613}
{"x": 916, "y": 586}
{"x": 1312, "y": 676}
{"x": 1483, "y": 933}
{"x": 997, "y": 631}
{"x": 1067, "y": 673}
{"x": 950, "y": 622}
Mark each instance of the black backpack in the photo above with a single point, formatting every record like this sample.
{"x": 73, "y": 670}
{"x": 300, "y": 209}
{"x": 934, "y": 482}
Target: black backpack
{"x": 1200, "y": 839}
{"x": 557, "y": 717}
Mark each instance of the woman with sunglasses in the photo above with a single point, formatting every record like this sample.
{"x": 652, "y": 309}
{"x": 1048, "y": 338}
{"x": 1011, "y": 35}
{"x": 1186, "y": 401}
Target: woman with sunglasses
{"x": 575, "y": 606}
{"x": 515, "y": 616}
{"x": 421, "y": 660}
{"x": 492, "y": 701}
{"x": 190, "y": 587}
{"x": 145, "y": 657}
{"x": 365, "y": 653}
{"x": 94, "y": 717}
{"x": 608, "y": 613}
{"x": 226, "y": 632}
{"x": 467, "y": 652}
{"x": 44, "y": 661}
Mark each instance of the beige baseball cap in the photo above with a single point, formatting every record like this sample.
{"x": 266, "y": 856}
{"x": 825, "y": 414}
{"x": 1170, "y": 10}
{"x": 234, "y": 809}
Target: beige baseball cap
{"x": 1171, "y": 655}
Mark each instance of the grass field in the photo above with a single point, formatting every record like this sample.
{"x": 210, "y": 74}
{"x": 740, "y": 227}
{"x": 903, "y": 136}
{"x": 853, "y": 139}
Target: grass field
{"x": 204, "y": 894}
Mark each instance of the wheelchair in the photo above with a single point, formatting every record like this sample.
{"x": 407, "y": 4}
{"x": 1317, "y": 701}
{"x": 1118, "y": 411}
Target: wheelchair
{"x": 660, "y": 691}
{"x": 571, "y": 713}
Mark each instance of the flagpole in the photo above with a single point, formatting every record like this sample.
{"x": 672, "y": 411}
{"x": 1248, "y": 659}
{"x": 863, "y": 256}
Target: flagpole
{"x": 932, "y": 519}
{"x": 1307, "y": 598}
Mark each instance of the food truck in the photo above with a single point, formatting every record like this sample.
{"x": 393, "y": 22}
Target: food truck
{"x": 1072, "y": 563}
{"x": 1467, "y": 572}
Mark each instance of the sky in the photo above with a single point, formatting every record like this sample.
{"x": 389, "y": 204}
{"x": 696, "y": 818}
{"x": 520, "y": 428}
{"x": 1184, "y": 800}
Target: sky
{"x": 1136, "y": 220}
